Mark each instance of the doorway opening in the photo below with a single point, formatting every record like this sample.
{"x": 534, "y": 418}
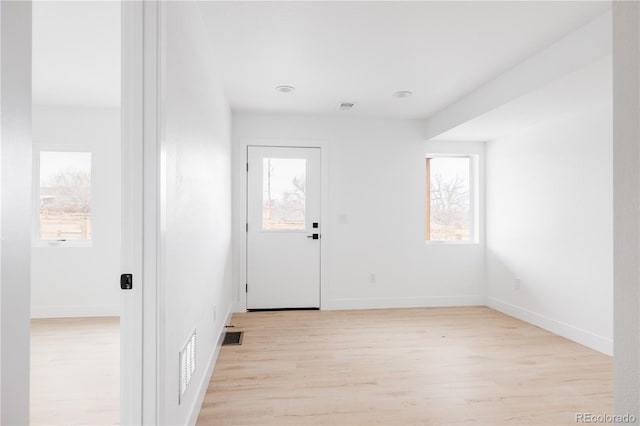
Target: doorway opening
{"x": 76, "y": 240}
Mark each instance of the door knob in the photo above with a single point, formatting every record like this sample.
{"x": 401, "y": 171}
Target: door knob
{"x": 314, "y": 236}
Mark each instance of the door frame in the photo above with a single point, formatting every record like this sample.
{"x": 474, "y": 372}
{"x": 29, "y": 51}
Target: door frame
{"x": 141, "y": 209}
{"x": 314, "y": 175}
{"x": 131, "y": 361}
{"x": 241, "y": 151}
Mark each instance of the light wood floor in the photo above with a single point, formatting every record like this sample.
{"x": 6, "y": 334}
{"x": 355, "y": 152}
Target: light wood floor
{"x": 436, "y": 366}
{"x": 75, "y": 371}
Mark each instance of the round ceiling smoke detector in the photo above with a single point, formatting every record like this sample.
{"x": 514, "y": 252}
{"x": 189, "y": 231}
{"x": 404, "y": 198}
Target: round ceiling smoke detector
{"x": 285, "y": 89}
{"x": 402, "y": 94}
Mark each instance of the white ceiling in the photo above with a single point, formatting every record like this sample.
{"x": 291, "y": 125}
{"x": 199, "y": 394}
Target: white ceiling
{"x": 586, "y": 88}
{"x": 331, "y": 52}
{"x": 76, "y": 53}
{"x": 362, "y": 52}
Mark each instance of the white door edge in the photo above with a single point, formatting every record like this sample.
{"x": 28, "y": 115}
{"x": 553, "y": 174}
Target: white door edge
{"x": 140, "y": 211}
{"x": 131, "y": 300}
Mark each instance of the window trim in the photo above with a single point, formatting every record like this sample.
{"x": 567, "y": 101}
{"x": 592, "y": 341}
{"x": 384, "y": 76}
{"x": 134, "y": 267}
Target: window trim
{"x": 473, "y": 198}
{"x": 35, "y": 232}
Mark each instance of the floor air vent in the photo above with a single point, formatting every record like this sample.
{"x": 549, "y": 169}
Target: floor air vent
{"x": 232, "y": 338}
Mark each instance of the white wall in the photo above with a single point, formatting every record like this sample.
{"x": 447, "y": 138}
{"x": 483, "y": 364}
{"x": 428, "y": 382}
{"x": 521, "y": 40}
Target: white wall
{"x": 549, "y": 224}
{"x": 15, "y": 208}
{"x": 196, "y": 202}
{"x": 626, "y": 196}
{"x": 82, "y": 281}
{"x": 375, "y": 171}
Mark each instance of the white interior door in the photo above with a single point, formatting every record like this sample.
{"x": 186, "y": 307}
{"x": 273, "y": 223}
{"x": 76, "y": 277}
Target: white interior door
{"x": 283, "y": 228}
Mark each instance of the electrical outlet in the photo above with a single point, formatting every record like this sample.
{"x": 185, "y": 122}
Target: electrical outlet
{"x": 372, "y": 277}
{"x": 516, "y": 283}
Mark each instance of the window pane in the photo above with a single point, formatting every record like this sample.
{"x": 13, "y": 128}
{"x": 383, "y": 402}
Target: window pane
{"x": 283, "y": 193}
{"x": 450, "y": 209}
{"x": 65, "y": 195}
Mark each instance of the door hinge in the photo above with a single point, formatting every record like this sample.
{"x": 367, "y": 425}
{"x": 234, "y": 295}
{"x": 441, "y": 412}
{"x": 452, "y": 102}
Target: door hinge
{"x": 247, "y": 166}
{"x": 246, "y": 288}
{"x": 247, "y": 227}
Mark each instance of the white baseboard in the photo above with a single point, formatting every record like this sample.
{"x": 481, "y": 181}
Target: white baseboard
{"x": 579, "y": 335}
{"x": 204, "y": 384}
{"x": 73, "y": 311}
{"x": 406, "y": 302}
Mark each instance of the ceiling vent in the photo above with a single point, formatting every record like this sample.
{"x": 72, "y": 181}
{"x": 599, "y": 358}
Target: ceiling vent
{"x": 345, "y": 106}
{"x": 285, "y": 89}
{"x": 402, "y": 94}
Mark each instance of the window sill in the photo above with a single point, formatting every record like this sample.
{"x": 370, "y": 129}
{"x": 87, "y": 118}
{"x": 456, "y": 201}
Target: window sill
{"x": 62, "y": 244}
{"x": 455, "y": 243}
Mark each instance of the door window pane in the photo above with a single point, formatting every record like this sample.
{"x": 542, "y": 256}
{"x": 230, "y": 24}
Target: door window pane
{"x": 283, "y": 193}
{"x": 65, "y": 195}
{"x": 449, "y": 209}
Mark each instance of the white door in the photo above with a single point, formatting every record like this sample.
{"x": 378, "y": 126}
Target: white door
{"x": 283, "y": 228}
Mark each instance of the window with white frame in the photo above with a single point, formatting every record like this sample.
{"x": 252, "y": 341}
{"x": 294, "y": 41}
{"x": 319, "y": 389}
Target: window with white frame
{"x": 63, "y": 187}
{"x": 450, "y": 198}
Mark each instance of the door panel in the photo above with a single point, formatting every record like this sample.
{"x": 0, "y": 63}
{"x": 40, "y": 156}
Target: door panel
{"x": 283, "y": 204}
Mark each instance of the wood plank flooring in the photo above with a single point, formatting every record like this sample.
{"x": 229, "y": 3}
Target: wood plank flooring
{"x": 432, "y": 366}
{"x": 75, "y": 371}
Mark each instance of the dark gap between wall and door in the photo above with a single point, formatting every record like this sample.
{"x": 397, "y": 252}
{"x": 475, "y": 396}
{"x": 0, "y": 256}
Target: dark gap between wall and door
{"x": 282, "y": 309}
